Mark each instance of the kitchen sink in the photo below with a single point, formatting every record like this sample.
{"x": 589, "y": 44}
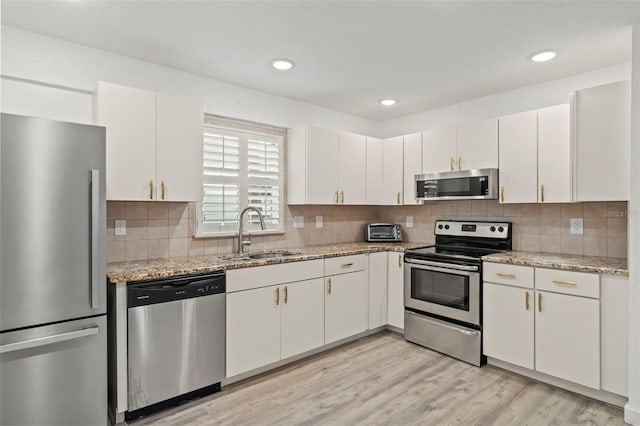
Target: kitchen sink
{"x": 273, "y": 254}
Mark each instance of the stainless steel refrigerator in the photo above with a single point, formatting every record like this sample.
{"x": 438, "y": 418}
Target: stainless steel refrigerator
{"x": 53, "y": 346}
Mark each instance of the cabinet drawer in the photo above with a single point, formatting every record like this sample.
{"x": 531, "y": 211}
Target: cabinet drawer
{"x": 344, "y": 264}
{"x": 501, "y": 273}
{"x": 568, "y": 282}
{"x": 281, "y": 273}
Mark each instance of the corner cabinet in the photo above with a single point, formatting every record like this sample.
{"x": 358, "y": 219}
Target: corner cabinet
{"x": 392, "y": 171}
{"x": 325, "y": 166}
{"x": 154, "y": 144}
{"x": 374, "y": 168}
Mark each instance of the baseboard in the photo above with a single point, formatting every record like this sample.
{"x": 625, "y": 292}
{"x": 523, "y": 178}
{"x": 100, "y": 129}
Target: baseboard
{"x": 631, "y": 415}
{"x": 600, "y": 395}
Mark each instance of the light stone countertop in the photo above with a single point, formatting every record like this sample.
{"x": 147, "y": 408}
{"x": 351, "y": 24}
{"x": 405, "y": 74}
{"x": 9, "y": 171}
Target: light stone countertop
{"x": 568, "y": 262}
{"x": 161, "y": 268}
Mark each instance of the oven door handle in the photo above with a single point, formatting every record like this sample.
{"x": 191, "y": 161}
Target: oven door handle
{"x": 442, "y": 264}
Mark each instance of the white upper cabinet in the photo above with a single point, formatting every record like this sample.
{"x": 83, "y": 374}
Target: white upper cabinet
{"x": 392, "y": 171}
{"x": 374, "y": 171}
{"x": 466, "y": 147}
{"x": 154, "y": 144}
{"x": 325, "y": 166}
{"x": 554, "y": 154}
{"x": 352, "y": 168}
{"x": 477, "y": 145}
{"x": 439, "y": 150}
{"x": 602, "y": 142}
{"x": 535, "y": 156}
{"x": 518, "y": 165}
{"x": 412, "y": 166}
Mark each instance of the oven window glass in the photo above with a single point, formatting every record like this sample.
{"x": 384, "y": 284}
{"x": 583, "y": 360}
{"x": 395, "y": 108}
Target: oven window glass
{"x": 444, "y": 289}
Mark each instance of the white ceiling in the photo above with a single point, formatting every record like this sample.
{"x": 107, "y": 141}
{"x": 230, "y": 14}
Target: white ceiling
{"x": 350, "y": 54}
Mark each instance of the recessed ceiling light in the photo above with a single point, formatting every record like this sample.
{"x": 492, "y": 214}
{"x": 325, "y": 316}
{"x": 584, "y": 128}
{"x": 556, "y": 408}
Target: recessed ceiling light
{"x": 388, "y": 102}
{"x": 543, "y": 56}
{"x": 282, "y": 64}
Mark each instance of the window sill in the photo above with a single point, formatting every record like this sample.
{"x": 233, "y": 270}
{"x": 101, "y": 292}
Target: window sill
{"x": 202, "y": 235}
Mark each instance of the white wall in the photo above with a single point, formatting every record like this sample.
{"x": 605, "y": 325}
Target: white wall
{"x": 55, "y": 62}
{"x": 632, "y": 410}
{"x": 526, "y": 98}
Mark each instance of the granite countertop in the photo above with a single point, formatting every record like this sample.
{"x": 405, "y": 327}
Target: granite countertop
{"x": 598, "y": 265}
{"x": 160, "y": 268}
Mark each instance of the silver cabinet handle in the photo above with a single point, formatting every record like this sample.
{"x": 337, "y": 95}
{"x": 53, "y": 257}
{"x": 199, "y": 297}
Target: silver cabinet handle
{"x": 48, "y": 340}
{"x": 95, "y": 237}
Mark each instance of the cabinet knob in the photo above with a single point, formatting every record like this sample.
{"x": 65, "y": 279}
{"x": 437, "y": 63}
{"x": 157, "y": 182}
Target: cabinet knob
{"x": 539, "y": 302}
{"x": 342, "y": 196}
{"x": 162, "y": 186}
{"x": 459, "y": 163}
{"x": 151, "y": 189}
{"x": 336, "y": 196}
{"x": 286, "y": 294}
{"x": 398, "y": 198}
{"x": 542, "y": 193}
{"x": 329, "y": 286}
{"x": 526, "y": 301}
{"x": 451, "y": 163}
{"x": 277, "y": 296}
{"x": 502, "y": 194}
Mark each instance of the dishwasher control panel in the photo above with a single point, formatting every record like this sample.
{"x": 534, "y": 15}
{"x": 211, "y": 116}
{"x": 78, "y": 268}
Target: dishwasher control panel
{"x": 148, "y": 292}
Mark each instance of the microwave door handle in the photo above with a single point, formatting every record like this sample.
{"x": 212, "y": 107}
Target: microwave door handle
{"x": 442, "y": 265}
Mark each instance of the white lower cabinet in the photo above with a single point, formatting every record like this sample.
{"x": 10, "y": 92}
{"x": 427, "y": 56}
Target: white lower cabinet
{"x": 345, "y": 305}
{"x": 395, "y": 290}
{"x": 614, "y": 324}
{"x": 508, "y": 324}
{"x": 253, "y": 329}
{"x": 377, "y": 278}
{"x": 302, "y": 317}
{"x": 568, "y": 337}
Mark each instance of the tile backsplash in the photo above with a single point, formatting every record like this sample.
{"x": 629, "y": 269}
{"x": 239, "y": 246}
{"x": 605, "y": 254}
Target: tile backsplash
{"x": 162, "y": 229}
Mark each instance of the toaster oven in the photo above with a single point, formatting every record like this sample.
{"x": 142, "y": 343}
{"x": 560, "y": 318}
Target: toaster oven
{"x": 383, "y": 232}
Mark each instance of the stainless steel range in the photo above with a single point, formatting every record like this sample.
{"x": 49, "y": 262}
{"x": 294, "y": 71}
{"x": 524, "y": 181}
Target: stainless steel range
{"x": 443, "y": 287}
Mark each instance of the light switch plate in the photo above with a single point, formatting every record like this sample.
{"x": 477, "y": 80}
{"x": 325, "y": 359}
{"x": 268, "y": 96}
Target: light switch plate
{"x": 298, "y": 221}
{"x": 577, "y": 225}
{"x": 318, "y": 221}
{"x": 409, "y": 222}
{"x": 121, "y": 227}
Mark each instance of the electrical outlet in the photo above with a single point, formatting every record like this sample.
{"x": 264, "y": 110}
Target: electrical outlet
{"x": 318, "y": 221}
{"x": 298, "y": 221}
{"x": 409, "y": 222}
{"x": 121, "y": 227}
{"x": 576, "y": 225}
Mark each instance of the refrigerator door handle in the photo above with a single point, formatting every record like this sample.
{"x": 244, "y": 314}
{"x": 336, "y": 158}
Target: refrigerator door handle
{"x": 48, "y": 340}
{"x": 95, "y": 237}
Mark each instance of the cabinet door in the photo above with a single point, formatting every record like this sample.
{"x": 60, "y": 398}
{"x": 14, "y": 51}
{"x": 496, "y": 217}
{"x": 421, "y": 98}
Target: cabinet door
{"x": 519, "y": 158}
{"x": 602, "y": 139}
{"x": 322, "y": 166}
{"x": 439, "y": 150}
{"x": 302, "y": 316}
{"x": 377, "y": 289}
{"x": 352, "y": 173}
{"x": 412, "y": 153}
{"x": 392, "y": 175}
{"x": 568, "y": 338}
{"x": 614, "y": 338}
{"x": 554, "y": 154}
{"x": 179, "y": 149}
{"x": 508, "y": 327}
{"x": 477, "y": 145}
{"x": 374, "y": 171}
{"x": 253, "y": 329}
{"x": 345, "y": 306}
{"x": 395, "y": 295}
{"x": 130, "y": 118}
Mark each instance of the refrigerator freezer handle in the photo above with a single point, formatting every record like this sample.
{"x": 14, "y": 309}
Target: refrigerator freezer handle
{"x": 95, "y": 237}
{"x": 48, "y": 340}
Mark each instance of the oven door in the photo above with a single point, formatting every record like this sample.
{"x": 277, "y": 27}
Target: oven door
{"x": 445, "y": 289}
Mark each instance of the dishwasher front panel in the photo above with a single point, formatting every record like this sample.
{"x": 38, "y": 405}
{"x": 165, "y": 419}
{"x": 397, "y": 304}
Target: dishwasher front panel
{"x": 174, "y": 348}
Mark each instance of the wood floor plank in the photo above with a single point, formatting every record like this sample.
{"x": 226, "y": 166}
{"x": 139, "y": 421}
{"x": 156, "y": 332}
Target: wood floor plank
{"x": 384, "y": 380}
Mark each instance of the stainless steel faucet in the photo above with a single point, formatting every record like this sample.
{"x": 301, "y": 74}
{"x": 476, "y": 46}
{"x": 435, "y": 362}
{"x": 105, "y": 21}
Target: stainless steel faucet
{"x": 241, "y": 242}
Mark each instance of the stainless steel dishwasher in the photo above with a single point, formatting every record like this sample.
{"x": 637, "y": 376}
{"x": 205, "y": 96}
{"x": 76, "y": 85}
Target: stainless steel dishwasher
{"x": 176, "y": 340}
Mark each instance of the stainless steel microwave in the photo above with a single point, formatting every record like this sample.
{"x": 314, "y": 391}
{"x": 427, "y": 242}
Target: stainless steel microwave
{"x": 480, "y": 184}
{"x": 384, "y": 232}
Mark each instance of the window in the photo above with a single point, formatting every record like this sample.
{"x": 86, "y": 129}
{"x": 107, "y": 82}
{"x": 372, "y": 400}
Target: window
{"x": 240, "y": 168}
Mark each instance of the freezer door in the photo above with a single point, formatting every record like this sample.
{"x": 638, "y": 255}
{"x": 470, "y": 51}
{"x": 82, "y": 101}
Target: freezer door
{"x": 53, "y": 221}
{"x": 55, "y": 375}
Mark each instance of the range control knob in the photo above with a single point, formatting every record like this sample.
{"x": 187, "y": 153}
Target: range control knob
{"x": 500, "y": 229}
{"x": 446, "y": 227}
{"x": 439, "y": 226}
{"x": 492, "y": 229}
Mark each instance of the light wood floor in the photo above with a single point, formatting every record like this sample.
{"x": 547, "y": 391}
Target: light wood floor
{"x": 382, "y": 379}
